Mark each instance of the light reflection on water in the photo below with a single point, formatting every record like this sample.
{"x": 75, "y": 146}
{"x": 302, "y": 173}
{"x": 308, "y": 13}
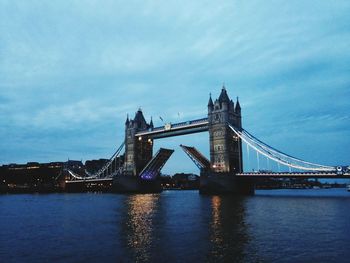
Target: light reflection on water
{"x": 139, "y": 224}
{"x": 216, "y": 236}
{"x": 229, "y": 234}
{"x": 159, "y": 226}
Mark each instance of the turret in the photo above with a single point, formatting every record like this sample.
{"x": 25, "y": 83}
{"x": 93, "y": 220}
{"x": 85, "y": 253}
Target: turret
{"x": 223, "y": 98}
{"x": 231, "y": 106}
{"x": 210, "y": 104}
{"x": 238, "y": 107}
{"x": 139, "y": 120}
{"x": 151, "y": 124}
{"x": 127, "y": 120}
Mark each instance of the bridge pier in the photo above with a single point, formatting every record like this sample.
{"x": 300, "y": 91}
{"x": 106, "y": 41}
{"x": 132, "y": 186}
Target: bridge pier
{"x": 215, "y": 183}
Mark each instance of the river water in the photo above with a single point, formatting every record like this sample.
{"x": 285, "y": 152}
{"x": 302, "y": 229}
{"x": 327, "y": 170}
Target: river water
{"x": 177, "y": 226}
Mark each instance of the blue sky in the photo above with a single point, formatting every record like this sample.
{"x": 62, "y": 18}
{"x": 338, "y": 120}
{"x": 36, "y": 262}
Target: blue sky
{"x": 70, "y": 71}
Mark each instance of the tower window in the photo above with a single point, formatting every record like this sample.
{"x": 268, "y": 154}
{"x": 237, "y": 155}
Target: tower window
{"x": 218, "y": 147}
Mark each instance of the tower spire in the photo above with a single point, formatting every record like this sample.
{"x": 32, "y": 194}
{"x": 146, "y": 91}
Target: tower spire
{"x": 210, "y": 103}
{"x": 238, "y": 106}
{"x": 151, "y": 123}
{"x": 223, "y": 96}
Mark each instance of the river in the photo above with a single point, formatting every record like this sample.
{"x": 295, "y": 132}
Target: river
{"x": 177, "y": 226}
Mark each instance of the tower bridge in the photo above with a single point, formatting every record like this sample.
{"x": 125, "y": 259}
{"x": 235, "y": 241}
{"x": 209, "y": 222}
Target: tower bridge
{"x": 222, "y": 172}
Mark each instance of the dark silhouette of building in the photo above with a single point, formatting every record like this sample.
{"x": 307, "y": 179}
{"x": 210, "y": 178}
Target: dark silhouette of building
{"x": 92, "y": 166}
{"x": 30, "y": 177}
{"x": 186, "y": 181}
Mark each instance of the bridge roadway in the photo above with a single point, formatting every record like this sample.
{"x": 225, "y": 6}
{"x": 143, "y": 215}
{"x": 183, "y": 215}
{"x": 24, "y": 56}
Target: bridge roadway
{"x": 305, "y": 175}
{"x": 96, "y": 180}
{"x": 169, "y": 130}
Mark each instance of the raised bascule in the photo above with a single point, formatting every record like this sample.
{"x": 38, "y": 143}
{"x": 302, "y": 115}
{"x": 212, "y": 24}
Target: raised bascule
{"x": 222, "y": 173}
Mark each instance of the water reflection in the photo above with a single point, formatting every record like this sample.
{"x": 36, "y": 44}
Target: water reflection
{"x": 184, "y": 227}
{"x": 139, "y": 226}
{"x": 228, "y": 230}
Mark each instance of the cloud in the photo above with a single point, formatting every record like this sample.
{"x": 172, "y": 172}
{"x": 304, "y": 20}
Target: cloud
{"x": 71, "y": 71}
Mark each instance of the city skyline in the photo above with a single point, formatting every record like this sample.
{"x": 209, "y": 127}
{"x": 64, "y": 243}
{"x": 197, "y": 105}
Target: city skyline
{"x": 71, "y": 72}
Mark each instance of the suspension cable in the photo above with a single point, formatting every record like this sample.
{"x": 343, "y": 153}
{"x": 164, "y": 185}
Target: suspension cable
{"x": 110, "y": 161}
{"x": 268, "y": 152}
{"x": 273, "y": 152}
{"x": 270, "y": 148}
{"x": 104, "y": 170}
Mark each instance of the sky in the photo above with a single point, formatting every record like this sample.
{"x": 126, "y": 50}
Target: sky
{"x": 70, "y": 72}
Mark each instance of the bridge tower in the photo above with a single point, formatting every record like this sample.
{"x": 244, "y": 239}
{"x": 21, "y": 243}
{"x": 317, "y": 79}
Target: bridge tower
{"x": 138, "y": 150}
{"x": 225, "y": 146}
{"x": 225, "y": 149}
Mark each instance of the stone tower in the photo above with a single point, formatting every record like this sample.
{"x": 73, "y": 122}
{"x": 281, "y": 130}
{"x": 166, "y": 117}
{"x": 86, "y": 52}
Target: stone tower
{"x": 225, "y": 146}
{"x": 138, "y": 150}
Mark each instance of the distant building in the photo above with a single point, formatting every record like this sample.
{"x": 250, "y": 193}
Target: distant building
{"x": 92, "y": 166}
{"x": 30, "y": 177}
{"x": 71, "y": 164}
{"x": 185, "y": 181}
{"x": 75, "y": 166}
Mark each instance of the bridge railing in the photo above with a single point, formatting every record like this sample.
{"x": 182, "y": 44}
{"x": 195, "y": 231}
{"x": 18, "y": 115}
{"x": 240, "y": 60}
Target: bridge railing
{"x": 321, "y": 174}
{"x": 199, "y": 121}
{"x": 289, "y": 173}
{"x": 157, "y": 128}
{"x": 177, "y": 125}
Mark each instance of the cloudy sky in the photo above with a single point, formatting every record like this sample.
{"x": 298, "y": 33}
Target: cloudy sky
{"x": 70, "y": 71}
